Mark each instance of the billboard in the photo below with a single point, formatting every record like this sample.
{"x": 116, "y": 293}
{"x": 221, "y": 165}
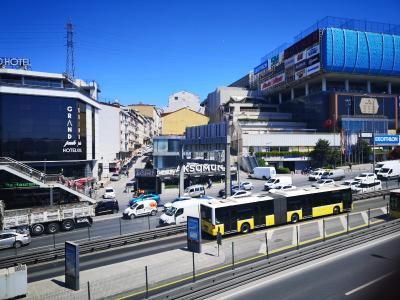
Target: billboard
{"x": 193, "y": 234}
{"x": 387, "y": 139}
{"x": 273, "y": 82}
{"x": 72, "y": 267}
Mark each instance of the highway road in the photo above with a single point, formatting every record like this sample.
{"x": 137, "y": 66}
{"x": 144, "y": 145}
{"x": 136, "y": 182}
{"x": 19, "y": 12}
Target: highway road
{"x": 370, "y": 273}
{"x": 113, "y": 225}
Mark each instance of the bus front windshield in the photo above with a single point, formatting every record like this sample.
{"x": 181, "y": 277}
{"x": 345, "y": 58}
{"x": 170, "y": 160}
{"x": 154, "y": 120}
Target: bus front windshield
{"x": 170, "y": 211}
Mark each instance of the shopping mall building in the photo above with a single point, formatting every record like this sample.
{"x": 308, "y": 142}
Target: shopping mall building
{"x": 340, "y": 78}
{"x": 50, "y": 122}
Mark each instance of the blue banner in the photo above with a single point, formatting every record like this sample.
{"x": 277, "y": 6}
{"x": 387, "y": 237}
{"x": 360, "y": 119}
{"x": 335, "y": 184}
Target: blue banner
{"x": 387, "y": 139}
{"x": 261, "y": 67}
{"x": 193, "y": 234}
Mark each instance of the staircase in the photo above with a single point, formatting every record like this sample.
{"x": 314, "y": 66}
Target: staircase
{"x": 249, "y": 163}
{"x": 39, "y": 178}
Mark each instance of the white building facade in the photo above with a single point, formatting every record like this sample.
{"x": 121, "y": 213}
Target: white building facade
{"x": 182, "y": 99}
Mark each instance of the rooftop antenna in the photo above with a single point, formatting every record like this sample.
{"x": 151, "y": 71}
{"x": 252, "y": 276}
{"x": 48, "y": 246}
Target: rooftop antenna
{"x": 70, "y": 62}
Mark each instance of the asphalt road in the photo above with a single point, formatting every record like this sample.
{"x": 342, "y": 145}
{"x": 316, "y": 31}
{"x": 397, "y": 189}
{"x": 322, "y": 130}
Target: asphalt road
{"x": 371, "y": 273}
{"x": 113, "y": 225}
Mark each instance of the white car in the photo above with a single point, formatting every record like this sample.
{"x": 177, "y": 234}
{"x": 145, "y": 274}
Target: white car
{"x": 366, "y": 177}
{"x": 352, "y": 184}
{"x": 366, "y": 187}
{"x": 316, "y": 175}
{"x": 246, "y": 185}
{"x": 282, "y": 188}
{"x": 323, "y": 183}
{"x": 109, "y": 193}
{"x": 241, "y": 193}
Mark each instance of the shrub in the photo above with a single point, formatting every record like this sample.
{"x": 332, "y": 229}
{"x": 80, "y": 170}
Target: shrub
{"x": 282, "y": 170}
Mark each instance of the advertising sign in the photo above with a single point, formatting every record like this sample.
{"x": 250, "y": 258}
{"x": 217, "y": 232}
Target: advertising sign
{"x": 312, "y": 60}
{"x": 369, "y": 106}
{"x": 145, "y": 172}
{"x": 261, "y": 67}
{"x": 72, "y": 267}
{"x": 193, "y": 234}
{"x": 313, "y": 69}
{"x": 314, "y": 50}
{"x": 300, "y": 74}
{"x": 290, "y": 62}
{"x": 73, "y": 142}
{"x": 387, "y": 139}
{"x": 300, "y": 56}
{"x": 301, "y": 65}
{"x": 272, "y": 82}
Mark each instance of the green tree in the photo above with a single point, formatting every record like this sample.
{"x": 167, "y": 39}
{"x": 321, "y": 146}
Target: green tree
{"x": 261, "y": 162}
{"x": 362, "y": 149}
{"x": 321, "y": 153}
{"x": 148, "y": 165}
{"x": 395, "y": 153}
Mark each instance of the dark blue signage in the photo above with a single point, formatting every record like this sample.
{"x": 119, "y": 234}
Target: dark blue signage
{"x": 387, "y": 139}
{"x": 72, "y": 265}
{"x": 193, "y": 234}
{"x": 261, "y": 67}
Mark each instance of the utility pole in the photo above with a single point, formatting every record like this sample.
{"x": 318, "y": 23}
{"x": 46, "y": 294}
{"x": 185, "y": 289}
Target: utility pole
{"x": 70, "y": 61}
{"x": 228, "y": 164}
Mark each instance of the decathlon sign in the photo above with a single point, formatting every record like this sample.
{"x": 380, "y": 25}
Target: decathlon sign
{"x": 387, "y": 139}
{"x": 14, "y": 62}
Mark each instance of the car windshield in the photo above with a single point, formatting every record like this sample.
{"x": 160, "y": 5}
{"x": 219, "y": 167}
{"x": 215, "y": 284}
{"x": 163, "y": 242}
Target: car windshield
{"x": 325, "y": 173}
{"x": 362, "y": 175}
{"x": 109, "y": 190}
{"x": 346, "y": 183}
{"x": 385, "y": 170}
{"x": 320, "y": 181}
{"x": 315, "y": 173}
{"x": 363, "y": 185}
{"x": 170, "y": 211}
{"x": 134, "y": 205}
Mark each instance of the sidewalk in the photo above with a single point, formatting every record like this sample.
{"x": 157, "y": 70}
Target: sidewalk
{"x": 171, "y": 267}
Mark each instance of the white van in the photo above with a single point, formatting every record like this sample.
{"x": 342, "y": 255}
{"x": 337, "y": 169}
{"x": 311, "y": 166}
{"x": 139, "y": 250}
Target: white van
{"x": 142, "y": 208}
{"x": 385, "y": 164}
{"x": 276, "y": 182}
{"x": 263, "y": 173}
{"x": 389, "y": 171}
{"x": 195, "y": 191}
{"x": 179, "y": 211}
{"x": 337, "y": 174}
{"x": 316, "y": 175}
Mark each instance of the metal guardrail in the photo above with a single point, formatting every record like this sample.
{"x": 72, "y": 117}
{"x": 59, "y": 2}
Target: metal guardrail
{"x": 224, "y": 281}
{"x": 380, "y": 193}
{"x": 91, "y": 246}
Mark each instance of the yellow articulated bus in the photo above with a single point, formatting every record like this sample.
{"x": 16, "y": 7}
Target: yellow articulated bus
{"x": 232, "y": 215}
{"x": 395, "y": 203}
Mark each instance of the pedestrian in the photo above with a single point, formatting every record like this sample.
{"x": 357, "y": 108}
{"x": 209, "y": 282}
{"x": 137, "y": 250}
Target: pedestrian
{"x": 90, "y": 192}
{"x": 209, "y": 183}
{"x": 350, "y": 166}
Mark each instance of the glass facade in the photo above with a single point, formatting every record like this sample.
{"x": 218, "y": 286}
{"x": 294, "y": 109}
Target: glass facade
{"x": 37, "y": 128}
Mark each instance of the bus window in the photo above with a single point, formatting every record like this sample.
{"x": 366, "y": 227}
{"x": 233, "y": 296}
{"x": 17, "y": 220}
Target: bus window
{"x": 395, "y": 202}
{"x": 293, "y": 203}
{"x": 243, "y": 214}
{"x": 206, "y": 213}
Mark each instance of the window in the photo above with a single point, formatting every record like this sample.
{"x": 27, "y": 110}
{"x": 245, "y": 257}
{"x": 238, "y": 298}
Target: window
{"x": 176, "y": 97}
{"x": 140, "y": 206}
{"x": 206, "y": 213}
{"x": 179, "y": 212}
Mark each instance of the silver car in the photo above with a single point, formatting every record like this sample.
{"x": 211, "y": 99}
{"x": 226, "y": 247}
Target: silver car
{"x": 13, "y": 239}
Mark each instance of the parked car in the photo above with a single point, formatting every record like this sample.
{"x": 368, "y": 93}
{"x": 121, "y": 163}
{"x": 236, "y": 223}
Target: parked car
{"x": 145, "y": 197}
{"x": 142, "y": 208}
{"x": 109, "y": 193}
{"x": 115, "y": 177}
{"x": 241, "y": 193}
{"x": 366, "y": 177}
{"x": 337, "y": 174}
{"x": 13, "y": 239}
{"x": 352, "y": 184}
{"x": 106, "y": 207}
{"x": 195, "y": 191}
{"x": 366, "y": 187}
{"x": 323, "y": 183}
{"x": 282, "y": 188}
{"x": 247, "y": 185}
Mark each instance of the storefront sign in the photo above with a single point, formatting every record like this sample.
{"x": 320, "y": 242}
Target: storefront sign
{"x": 300, "y": 56}
{"x": 72, "y": 144}
{"x": 313, "y": 51}
{"x": 14, "y": 62}
{"x": 300, "y": 74}
{"x": 290, "y": 62}
{"x": 369, "y": 106}
{"x": 191, "y": 168}
{"x": 145, "y": 172}
{"x": 312, "y": 60}
{"x": 11, "y": 185}
{"x": 272, "y": 82}
{"x": 301, "y": 65}
{"x": 261, "y": 67}
{"x": 313, "y": 69}
{"x": 388, "y": 139}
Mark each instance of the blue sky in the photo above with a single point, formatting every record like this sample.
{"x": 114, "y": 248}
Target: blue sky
{"x": 142, "y": 51}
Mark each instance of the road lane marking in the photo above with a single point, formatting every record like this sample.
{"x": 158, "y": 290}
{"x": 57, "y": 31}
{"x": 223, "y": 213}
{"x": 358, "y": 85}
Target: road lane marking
{"x": 369, "y": 283}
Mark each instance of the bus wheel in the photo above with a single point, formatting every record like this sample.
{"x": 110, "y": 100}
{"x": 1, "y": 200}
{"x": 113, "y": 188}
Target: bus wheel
{"x": 37, "y": 229}
{"x": 245, "y": 228}
{"x": 53, "y": 228}
{"x": 336, "y": 210}
{"x": 294, "y": 218}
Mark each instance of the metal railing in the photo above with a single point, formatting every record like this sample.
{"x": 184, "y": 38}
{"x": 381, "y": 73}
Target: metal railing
{"x": 46, "y": 255}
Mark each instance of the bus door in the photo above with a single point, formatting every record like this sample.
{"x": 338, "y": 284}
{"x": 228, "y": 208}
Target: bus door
{"x": 280, "y": 210}
{"x": 224, "y": 216}
{"x": 306, "y": 207}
